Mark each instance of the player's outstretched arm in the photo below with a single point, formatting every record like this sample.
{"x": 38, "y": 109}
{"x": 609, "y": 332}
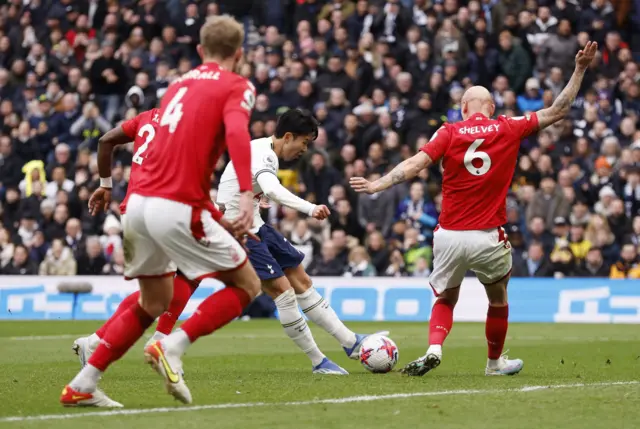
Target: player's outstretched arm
{"x": 406, "y": 170}
{"x": 273, "y": 189}
{"x": 560, "y": 107}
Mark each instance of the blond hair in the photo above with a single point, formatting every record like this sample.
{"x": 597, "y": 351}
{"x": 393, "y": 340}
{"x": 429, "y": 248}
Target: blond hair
{"x": 221, "y": 36}
{"x": 359, "y": 251}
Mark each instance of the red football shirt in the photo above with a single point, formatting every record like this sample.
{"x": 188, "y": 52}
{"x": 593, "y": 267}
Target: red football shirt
{"x": 479, "y": 156}
{"x": 204, "y": 112}
{"x": 142, "y": 130}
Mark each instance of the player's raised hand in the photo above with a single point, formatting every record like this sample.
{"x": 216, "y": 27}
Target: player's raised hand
{"x": 244, "y": 221}
{"x": 321, "y": 212}
{"x": 585, "y": 56}
{"x": 99, "y": 201}
{"x": 360, "y": 184}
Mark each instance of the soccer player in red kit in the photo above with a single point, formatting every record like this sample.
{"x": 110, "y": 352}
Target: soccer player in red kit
{"x": 170, "y": 216}
{"x": 479, "y": 155}
{"x": 142, "y": 131}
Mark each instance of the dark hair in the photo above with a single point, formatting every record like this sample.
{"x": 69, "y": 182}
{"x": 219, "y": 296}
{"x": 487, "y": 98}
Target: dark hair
{"x": 298, "y": 122}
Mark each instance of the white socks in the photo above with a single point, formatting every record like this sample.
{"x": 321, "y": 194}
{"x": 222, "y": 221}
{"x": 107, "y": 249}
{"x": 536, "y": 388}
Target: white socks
{"x": 435, "y": 349}
{"x": 87, "y": 379}
{"x": 94, "y": 341}
{"x": 178, "y": 341}
{"x": 321, "y": 313}
{"x": 296, "y": 327}
{"x": 157, "y": 336}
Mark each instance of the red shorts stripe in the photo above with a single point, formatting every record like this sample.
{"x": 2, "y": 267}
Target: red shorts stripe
{"x": 158, "y": 276}
{"x": 197, "y": 228}
{"x": 218, "y": 273}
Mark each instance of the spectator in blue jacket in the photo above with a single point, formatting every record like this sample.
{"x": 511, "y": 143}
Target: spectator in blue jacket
{"x": 418, "y": 212}
{"x": 531, "y": 100}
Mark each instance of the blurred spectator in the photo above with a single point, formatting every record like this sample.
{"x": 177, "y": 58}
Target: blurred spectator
{"x": 418, "y": 213}
{"x": 327, "y": 264}
{"x": 381, "y": 77}
{"x": 21, "y": 264}
{"x": 534, "y": 264}
{"x": 59, "y": 261}
{"x": 628, "y": 266}
{"x": 92, "y": 262}
{"x": 593, "y": 265}
{"x": 359, "y": 263}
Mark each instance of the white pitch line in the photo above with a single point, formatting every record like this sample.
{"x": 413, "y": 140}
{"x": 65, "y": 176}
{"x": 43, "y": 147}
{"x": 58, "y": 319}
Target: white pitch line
{"x": 45, "y": 337}
{"x": 346, "y": 400}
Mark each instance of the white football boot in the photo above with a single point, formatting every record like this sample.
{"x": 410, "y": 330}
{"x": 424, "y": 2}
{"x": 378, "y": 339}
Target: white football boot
{"x": 97, "y": 398}
{"x": 503, "y": 366}
{"x": 426, "y": 363}
{"x": 169, "y": 366}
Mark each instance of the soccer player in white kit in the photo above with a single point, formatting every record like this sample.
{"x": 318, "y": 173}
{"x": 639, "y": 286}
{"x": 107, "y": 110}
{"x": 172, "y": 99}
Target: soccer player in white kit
{"x": 479, "y": 155}
{"x": 276, "y": 261}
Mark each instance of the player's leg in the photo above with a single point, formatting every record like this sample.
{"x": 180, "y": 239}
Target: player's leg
{"x": 449, "y": 268}
{"x": 295, "y": 325}
{"x": 84, "y": 347}
{"x": 313, "y": 305}
{"x": 183, "y": 288}
{"x": 143, "y": 260}
{"x": 201, "y": 248}
{"x": 277, "y": 286}
{"x": 492, "y": 265}
{"x": 182, "y": 291}
{"x": 318, "y": 310}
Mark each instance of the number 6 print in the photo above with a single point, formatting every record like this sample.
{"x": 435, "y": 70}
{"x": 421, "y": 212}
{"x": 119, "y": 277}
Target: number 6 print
{"x": 472, "y": 154}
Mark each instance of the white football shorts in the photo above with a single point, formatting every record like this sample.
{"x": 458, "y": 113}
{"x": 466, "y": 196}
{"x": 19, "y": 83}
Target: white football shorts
{"x": 486, "y": 252}
{"x": 160, "y": 235}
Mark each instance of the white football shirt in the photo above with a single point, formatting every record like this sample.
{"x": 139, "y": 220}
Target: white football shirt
{"x": 263, "y": 161}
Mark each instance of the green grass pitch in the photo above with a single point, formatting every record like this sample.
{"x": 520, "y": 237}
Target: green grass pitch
{"x": 250, "y": 375}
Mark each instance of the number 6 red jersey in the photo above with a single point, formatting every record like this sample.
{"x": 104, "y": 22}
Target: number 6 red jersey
{"x": 479, "y": 157}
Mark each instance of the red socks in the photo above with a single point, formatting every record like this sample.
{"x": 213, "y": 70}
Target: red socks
{"x": 182, "y": 291}
{"x": 123, "y": 332}
{"x": 496, "y": 329}
{"x": 215, "y": 312}
{"x": 440, "y": 322}
{"x": 124, "y": 305}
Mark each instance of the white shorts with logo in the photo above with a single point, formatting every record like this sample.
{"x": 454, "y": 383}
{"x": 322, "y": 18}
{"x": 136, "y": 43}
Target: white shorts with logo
{"x": 160, "y": 234}
{"x": 485, "y": 252}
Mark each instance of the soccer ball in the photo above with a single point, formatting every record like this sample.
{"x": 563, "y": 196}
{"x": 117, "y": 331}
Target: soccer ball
{"x": 378, "y": 354}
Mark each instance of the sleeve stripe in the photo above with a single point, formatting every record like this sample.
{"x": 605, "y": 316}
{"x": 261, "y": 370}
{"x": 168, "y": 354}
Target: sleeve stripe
{"x": 265, "y": 170}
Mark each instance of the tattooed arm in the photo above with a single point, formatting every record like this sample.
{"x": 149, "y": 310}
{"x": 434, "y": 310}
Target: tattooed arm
{"x": 560, "y": 107}
{"x": 406, "y": 170}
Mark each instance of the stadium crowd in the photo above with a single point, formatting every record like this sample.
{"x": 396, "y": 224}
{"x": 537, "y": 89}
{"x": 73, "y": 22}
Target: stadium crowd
{"x": 380, "y": 76}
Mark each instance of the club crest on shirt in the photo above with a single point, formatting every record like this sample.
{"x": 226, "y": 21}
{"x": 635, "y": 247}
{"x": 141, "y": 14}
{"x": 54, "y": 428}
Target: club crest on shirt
{"x": 269, "y": 161}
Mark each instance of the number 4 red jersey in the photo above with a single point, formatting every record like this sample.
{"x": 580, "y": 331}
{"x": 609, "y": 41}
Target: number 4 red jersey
{"x": 203, "y": 113}
{"x": 142, "y": 130}
{"x": 479, "y": 157}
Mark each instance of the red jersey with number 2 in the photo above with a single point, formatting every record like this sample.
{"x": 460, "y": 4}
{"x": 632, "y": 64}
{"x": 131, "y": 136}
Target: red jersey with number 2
{"x": 479, "y": 157}
{"x": 142, "y": 130}
{"x": 192, "y": 135}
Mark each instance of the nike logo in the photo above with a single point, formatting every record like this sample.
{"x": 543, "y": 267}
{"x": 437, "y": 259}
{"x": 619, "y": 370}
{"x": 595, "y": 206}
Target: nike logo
{"x": 172, "y": 376}
{"x": 78, "y": 397}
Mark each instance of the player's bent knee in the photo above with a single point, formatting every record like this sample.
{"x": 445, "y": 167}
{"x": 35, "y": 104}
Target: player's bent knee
{"x": 245, "y": 278}
{"x": 450, "y": 296}
{"x": 156, "y": 294}
{"x": 275, "y": 287}
{"x": 299, "y": 279}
